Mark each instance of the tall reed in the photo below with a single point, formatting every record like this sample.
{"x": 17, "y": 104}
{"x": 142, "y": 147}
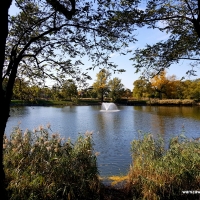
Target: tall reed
{"x": 159, "y": 173}
{"x": 39, "y": 165}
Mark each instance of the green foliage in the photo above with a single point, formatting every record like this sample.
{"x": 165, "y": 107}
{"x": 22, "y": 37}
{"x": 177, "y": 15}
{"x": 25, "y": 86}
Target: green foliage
{"x": 127, "y": 93}
{"x": 142, "y": 88}
{"x": 69, "y": 89}
{"x": 101, "y": 83}
{"x": 159, "y": 173}
{"x": 167, "y": 87}
{"x": 116, "y": 89}
{"x": 44, "y": 42}
{"x": 180, "y": 21}
{"x": 39, "y": 165}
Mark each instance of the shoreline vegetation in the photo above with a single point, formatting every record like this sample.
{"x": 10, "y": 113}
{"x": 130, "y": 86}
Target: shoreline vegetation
{"x": 127, "y": 102}
{"x": 40, "y": 165}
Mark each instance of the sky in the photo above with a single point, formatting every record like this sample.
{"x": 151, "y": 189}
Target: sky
{"x": 144, "y": 36}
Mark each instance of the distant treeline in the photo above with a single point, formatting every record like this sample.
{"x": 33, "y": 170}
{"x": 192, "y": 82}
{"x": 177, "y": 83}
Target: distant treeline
{"x": 163, "y": 87}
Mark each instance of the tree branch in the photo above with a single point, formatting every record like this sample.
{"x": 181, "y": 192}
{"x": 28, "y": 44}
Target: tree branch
{"x": 166, "y": 18}
{"x": 190, "y": 9}
{"x": 62, "y": 9}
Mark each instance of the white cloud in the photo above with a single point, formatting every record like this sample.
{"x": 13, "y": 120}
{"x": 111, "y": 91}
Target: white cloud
{"x": 114, "y": 55}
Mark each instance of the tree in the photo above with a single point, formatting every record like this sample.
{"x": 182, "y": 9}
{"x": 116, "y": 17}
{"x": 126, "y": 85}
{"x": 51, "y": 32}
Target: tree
{"x": 195, "y": 89}
{"x": 127, "y": 93}
{"x": 46, "y": 92}
{"x": 4, "y": 105}
{"x": 116, "y": 89}
{"x": 172, "y": 88}
{"x": 180, "y": 86}
{"x": 45, "y": 29}
{"x": 90, "y": 92}
{"x": 181, "y": 21}
{"x": 142, "y": 88}
{"x": 69, "y": 89}
{"x": 56, "y": 92}
{"x": 101, "y": 83}
{"x": 6, "y": 92}
{"x": 160, "y": 84}
{"x": 166, "y": 86}
{"x": 21, "y": 90}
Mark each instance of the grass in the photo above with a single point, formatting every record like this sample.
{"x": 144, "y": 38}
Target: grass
{"x": 40, "y": 165}
{"x": 159, "y": 173}
{"x": 92, "y": 101}
{"x": 183, "y": 102}
{"x": 41, "y": 102}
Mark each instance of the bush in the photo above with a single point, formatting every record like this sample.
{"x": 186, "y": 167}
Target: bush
{"x": 158, "y": 173}
{"x": 43, "y": 166}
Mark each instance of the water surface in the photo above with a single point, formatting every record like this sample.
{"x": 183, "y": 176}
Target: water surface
{"x": 112, "y": 131}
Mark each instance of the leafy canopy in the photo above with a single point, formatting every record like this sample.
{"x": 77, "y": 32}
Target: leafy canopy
{"x": 180, "y": 20}
{"x": 41, "y": 38}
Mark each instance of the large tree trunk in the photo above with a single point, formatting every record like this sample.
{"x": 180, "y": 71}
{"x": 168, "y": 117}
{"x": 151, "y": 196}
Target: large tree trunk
{"x": 6, "y": 94}
{"x": 4, "y": 110}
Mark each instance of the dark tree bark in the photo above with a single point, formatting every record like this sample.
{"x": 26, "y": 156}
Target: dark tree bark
{"x": 196, "y": 22}
{"x": 4, "y": 105}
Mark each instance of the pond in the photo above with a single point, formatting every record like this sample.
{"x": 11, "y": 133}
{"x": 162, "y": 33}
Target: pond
{"x": 112, "y": 131}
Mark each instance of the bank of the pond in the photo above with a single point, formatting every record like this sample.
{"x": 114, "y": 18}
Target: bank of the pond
{"x": 128, "y": 102}
{"x": 171, "y": 102}
{"x": 160, "y": 102}
{"x": 53, "y": 103}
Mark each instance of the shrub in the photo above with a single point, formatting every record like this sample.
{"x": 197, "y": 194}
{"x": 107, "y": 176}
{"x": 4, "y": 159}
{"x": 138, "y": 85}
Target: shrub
{"x": 39, "y": 165}
{"x": 158, "y": 173}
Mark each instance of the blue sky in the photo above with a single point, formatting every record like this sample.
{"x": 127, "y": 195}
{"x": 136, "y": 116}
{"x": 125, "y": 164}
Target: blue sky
{"x": 144, "y": 36}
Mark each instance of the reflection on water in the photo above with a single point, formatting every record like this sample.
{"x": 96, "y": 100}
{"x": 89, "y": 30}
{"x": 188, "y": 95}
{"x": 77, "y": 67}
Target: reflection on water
{"x": 112, "y": 131}
{"x": 172, "y": 111}
{"x": 171, "y": 120}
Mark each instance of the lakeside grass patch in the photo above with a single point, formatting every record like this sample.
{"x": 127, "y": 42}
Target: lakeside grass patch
{"x": 39, "y": 165}
{"x": 189, "y": 102}
{"x": 159, "y": 173}
{"x": 41, "y": 102}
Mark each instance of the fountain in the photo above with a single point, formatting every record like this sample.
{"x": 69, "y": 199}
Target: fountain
{"x": 109, "y": 107}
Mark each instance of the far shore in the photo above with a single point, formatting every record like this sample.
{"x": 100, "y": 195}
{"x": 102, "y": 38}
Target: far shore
{"x": 126, "y": 102}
